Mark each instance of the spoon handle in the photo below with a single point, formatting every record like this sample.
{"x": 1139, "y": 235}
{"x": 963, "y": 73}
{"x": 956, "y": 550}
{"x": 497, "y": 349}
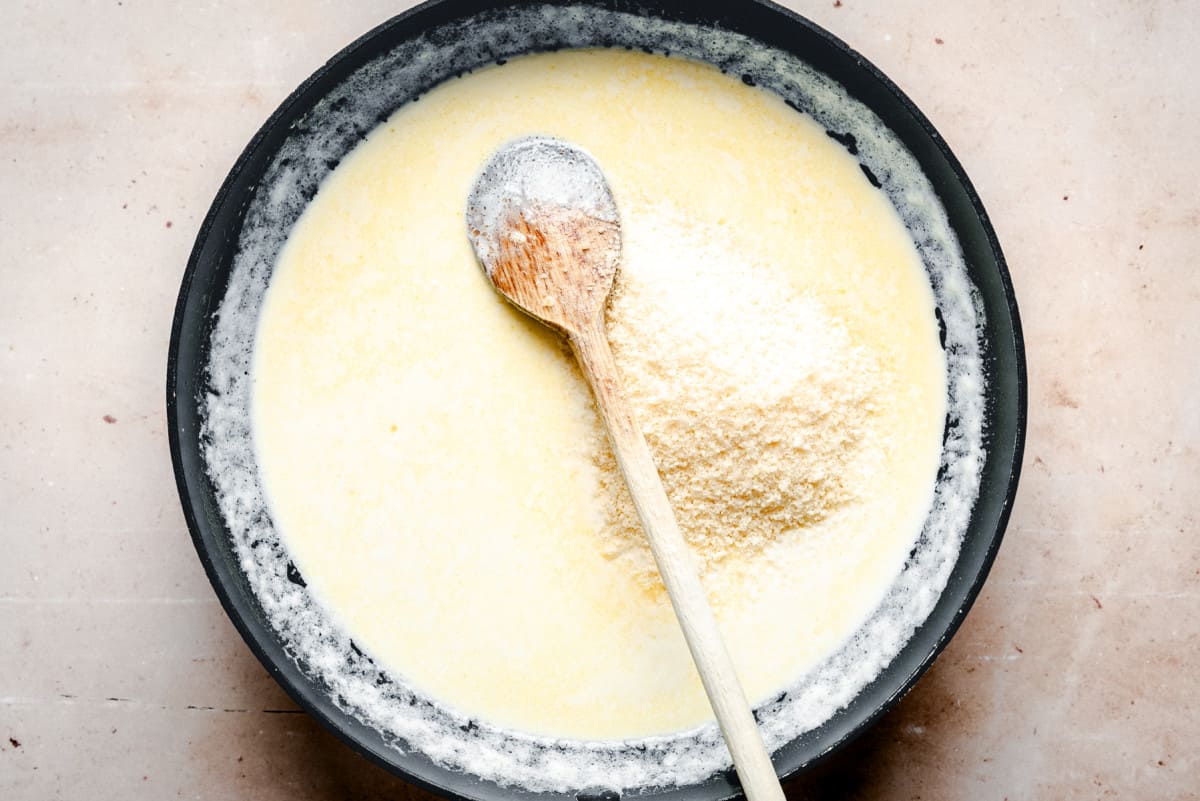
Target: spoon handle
{"x": 678, "y": 570}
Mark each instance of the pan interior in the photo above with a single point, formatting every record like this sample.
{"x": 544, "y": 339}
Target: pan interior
{"x": 405, "y": 719}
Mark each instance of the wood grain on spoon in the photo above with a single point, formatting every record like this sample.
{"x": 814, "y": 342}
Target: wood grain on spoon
{"x": 554, "y": 255}
{"x": 557, "y": 265}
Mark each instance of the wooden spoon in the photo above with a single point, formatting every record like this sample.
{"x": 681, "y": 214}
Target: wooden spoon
{"x": 545, "y": 227}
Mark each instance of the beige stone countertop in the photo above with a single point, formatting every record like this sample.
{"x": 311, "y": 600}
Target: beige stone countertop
{"x": 1074, "y": 676}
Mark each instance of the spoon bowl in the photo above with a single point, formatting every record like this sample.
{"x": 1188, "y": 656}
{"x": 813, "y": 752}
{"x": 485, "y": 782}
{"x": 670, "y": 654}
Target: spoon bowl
{"x": 545, "y": 227}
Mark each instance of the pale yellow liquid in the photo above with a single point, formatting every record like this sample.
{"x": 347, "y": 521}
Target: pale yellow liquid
{"x": 425, "y": 447}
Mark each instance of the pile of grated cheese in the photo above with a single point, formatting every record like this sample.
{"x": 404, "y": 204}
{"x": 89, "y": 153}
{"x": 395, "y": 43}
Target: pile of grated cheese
{"x": 753, "y": 398}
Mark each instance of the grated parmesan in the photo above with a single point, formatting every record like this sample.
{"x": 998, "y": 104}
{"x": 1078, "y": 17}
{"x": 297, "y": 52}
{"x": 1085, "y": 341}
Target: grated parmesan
{"x": 751, "y": 395}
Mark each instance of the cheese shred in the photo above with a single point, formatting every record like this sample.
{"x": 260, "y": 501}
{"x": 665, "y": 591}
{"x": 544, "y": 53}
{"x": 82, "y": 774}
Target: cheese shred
{"x": 751, "y": 394}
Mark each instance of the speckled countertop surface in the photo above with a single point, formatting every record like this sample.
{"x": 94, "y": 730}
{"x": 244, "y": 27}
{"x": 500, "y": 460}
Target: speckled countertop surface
{"x": 1073, "y": 677}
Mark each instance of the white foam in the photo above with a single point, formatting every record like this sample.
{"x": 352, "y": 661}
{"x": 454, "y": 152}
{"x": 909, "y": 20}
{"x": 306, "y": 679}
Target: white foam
{"x": 408, "y": 720}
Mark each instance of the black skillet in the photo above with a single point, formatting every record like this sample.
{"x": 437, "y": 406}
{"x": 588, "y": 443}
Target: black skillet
{"x": 207, "y": 276}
